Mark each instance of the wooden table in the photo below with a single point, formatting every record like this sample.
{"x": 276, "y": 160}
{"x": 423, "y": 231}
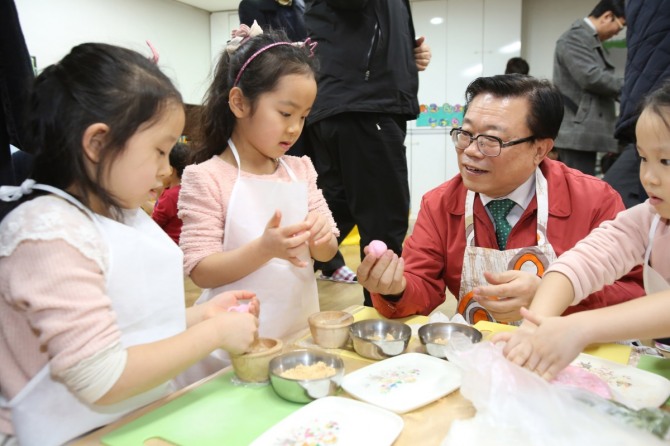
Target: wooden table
{"x": 427, "y": 425}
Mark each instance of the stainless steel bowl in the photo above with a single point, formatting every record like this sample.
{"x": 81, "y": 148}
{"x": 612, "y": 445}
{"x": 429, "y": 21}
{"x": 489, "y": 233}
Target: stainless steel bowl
{"x": 305, "y": 390}
{"x": 435, "y": 336}
{"x": 379, "y": 338}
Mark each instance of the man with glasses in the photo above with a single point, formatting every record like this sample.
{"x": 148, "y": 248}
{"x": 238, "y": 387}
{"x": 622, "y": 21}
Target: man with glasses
{"x": 488, "y": 234}
{"x": 590, "y": 86}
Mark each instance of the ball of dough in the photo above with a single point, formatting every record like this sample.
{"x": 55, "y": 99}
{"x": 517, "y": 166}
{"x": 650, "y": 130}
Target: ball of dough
{"x": 377, "y": 248}
{"x": 241, "y": 308}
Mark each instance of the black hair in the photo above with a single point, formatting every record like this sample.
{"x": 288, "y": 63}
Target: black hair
{"x": 180, "y": 157}
{"x": 658, "y": 102}
{"x": 546, "y": 102}
{"x": 259, "y": 77}
{"x": 517, "y": 65}
{"x": 618, "y": 8}
{"x": 94, "y": 83}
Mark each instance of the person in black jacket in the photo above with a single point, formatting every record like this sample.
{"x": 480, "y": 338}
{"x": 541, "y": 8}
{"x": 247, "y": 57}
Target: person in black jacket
{"x": 647, "y": 66}
{"x": 368, "y": 81}
{"x": 16, "y": 76}
{"x": 286, "y": 15}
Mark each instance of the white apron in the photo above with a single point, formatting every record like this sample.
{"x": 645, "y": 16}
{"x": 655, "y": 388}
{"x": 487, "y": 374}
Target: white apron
{"x": 288, "y": 294}
{"x": 145, "y": 285}
{"x": 653, "y": 281}
{"x": 477, "y": 260}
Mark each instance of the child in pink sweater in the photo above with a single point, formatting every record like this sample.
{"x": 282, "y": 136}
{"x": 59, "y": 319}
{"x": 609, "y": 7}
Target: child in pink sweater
{"x": 253, "y": 216}
{"x": 92, "y": 316}
{"x": 639, "y": 235}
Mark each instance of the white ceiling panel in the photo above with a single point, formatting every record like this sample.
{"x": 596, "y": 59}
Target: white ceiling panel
{"x": 213, "y": 5}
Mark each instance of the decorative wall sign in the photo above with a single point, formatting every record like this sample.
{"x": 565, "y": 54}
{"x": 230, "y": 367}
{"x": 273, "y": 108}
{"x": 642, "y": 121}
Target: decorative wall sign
{"x": 446, "y": 115}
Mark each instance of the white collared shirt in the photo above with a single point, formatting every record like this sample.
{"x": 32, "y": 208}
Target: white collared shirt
{"x": 590, "y": 23}
{"x": 521, "y": 196}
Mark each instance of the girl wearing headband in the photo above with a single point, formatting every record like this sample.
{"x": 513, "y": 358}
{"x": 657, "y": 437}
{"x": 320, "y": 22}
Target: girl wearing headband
{"x": 253, "y": 216}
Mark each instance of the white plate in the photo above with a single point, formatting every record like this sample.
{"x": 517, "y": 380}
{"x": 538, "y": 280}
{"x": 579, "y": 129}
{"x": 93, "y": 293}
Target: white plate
{"x": 334, "y": 420}
{"x": 636, "y": 388}
{"x": 403, "y": 383}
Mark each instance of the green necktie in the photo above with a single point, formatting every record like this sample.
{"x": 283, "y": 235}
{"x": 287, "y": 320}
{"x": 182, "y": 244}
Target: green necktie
{"x": 499, "y": 210}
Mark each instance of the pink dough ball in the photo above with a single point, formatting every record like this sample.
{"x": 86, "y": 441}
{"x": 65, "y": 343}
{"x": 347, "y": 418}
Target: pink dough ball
{"x": 241, "y": 308}
{"x": 377, "y": 248}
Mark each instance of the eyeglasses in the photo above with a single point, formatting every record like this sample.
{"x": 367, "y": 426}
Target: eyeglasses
{"x": 488, "y": 145}
{"x": 618, "y": 22}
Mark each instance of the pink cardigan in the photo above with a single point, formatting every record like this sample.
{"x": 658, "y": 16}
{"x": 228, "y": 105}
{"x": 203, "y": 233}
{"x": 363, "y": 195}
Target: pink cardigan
{"x": 203, "y": 202}
{"x": 613, "y": 249}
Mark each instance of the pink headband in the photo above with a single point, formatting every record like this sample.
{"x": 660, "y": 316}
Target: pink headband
{"x": 308, "y": 42}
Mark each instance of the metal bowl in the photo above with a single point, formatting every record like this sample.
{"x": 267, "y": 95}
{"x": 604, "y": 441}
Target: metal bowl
{"x": 307, "y": 389}
{"x": 435, "y": 336}
{"x": 379, "y": 338}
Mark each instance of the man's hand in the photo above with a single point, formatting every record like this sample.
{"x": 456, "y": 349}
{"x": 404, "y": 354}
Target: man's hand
{"x": 508, "y": 292}
{"x": 422, "y": 54}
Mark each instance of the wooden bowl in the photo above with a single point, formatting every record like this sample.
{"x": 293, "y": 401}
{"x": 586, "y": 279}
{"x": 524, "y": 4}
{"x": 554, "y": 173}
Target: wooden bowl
{"x": 330, "y": 329}
{"x": 254, "y": 366}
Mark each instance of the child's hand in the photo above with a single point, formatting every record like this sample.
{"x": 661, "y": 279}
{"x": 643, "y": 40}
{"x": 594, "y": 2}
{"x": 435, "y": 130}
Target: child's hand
{"x": 237, "y": 331}
{"x": 319, "y": 226}
{"x": 556, "y": 343}
{"x": 284, "y": 242}
{"x": 223, "y": 302}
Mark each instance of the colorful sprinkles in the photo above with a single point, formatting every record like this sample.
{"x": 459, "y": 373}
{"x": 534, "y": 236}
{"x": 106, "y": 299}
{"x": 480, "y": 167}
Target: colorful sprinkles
{"x": 392, "y": 379}
{"x": 314, "y": 433}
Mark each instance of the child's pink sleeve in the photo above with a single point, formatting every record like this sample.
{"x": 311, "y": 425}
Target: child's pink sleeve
{"x": 202, "y": 212}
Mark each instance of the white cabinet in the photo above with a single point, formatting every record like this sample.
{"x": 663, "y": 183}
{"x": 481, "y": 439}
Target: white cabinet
{"x": 468, "y": 39}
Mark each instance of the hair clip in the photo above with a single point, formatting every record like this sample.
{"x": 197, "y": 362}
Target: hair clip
{"x": 154, "y": 53}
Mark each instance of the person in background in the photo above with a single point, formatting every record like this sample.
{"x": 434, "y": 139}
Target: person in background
{"x": 639, "y": 235}
{"x": 589, "y": 86}
{"x": 16, "y": 75}
{"x": 517, "y": 65}
{"x": 92, "y": 317}
{"x": 165, "y": 210}
{"x": 282, "y": 15}
{"x": 489, "y": 233}
{"x": 368, "y": 83}
{"x": 647, "y": 66}
{"x": 253, "y": 216}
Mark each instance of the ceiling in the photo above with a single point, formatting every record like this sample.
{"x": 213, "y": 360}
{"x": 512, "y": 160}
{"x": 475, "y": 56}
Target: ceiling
{"x": 220, "y": 5}
{"x": 213, "y": 5}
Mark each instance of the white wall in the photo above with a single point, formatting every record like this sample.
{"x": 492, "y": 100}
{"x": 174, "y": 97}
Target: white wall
{"x": 180, "y": 33}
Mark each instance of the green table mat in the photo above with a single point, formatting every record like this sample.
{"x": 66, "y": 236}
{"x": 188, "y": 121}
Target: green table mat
{"x": 657, "y": 365}
{"x": 218, "y": 412}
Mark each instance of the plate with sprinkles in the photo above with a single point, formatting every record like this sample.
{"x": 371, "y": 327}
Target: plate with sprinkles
{"x": 334, "y": 420}
{"x": 403, "y": 383}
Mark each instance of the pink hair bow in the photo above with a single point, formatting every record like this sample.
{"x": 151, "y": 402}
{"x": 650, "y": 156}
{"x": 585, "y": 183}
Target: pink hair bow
{"x": 241, "y": 35}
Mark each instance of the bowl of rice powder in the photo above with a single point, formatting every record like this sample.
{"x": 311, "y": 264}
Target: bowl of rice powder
{"x": 302, "y": 376}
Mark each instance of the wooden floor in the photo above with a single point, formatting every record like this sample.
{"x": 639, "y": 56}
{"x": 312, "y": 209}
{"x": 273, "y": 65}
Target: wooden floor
{"x": 333, "y": 295}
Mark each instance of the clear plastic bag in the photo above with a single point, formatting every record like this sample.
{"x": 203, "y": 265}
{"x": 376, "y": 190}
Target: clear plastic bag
{"x": 516, "y": 407}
